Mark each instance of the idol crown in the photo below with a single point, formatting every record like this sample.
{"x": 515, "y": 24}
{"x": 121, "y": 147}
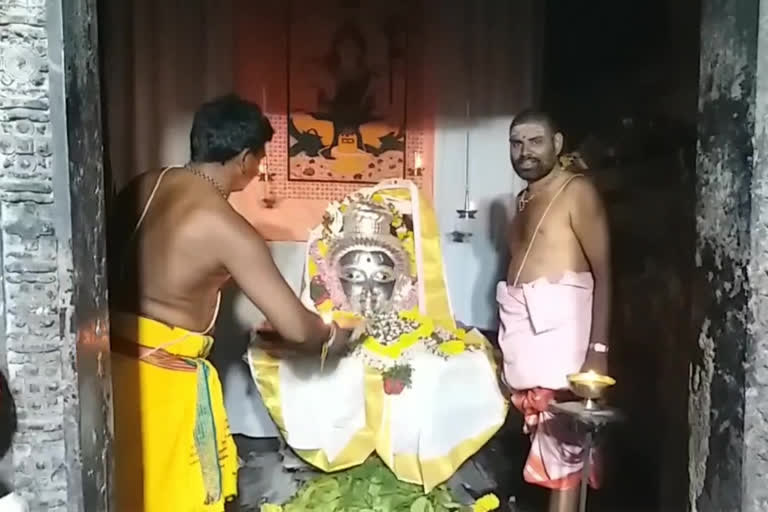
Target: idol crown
{"x": 366, "y": 218}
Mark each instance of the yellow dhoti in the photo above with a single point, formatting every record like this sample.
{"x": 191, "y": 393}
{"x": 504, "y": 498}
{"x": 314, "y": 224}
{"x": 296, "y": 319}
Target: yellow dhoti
{"x": 173, "y": 448}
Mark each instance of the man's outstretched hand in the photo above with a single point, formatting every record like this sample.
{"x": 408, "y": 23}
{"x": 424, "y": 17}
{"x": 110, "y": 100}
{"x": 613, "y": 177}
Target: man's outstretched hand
{"x": 348, "y": 331}
{"x": 269, "y": 340}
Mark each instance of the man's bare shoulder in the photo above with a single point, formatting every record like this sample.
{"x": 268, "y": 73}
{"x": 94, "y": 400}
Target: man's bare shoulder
{"x": 582, "y": 192}
{"x": 585, "y": 205}
{"x": 219, "y": 223}
{"x": 134, "y": 193}
{"x": 233, "y": 242}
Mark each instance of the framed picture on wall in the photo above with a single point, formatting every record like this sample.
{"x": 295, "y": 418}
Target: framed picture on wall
{"x": 347, "y": 90}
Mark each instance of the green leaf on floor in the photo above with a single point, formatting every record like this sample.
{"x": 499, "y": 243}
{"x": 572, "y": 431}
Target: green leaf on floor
{"x": 370, "y": 487}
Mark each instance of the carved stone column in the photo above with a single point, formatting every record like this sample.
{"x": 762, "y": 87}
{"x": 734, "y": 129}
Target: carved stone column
{"x": 728, "y": 403}
{"x": 53, "y": 320}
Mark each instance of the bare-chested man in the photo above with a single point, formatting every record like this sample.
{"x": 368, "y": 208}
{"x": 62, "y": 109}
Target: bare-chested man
{"x": 174, "y": 242}
{"x": 555, "y": 305}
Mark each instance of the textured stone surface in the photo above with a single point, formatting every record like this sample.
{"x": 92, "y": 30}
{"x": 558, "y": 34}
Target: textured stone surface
{"x": 83, "y": 191}
{"x": 53, "y": 321}
{"x": 755, "y": 461}
{"x": 728, "y": 399}
{"x": 32, "y": 291}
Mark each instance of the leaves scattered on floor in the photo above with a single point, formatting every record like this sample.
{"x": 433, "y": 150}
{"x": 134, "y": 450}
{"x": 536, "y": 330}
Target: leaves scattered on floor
{"x": 370, "y": 487}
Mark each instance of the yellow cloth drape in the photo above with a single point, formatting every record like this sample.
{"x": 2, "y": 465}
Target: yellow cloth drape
{"x": 375, "y": 435}
{"x": 437, "y": 304}
{"x": 173, "y": 448}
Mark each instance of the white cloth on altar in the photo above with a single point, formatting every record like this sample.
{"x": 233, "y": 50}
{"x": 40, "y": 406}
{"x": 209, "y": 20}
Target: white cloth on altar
{"x": 470, "y": 387}
{"x": 322, "y": 410}
{"x": 451, "y": 401}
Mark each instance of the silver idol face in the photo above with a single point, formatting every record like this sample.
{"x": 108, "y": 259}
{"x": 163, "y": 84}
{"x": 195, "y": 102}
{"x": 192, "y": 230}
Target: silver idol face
{"x": 368, "y": 279}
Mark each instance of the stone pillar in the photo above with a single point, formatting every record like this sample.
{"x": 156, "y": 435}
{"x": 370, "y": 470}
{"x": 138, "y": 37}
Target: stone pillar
{"x": 53, "y": 325}
{"x": 728, "y": 401}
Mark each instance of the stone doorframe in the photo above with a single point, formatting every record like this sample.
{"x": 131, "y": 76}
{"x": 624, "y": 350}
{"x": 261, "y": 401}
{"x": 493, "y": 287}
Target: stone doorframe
{"x": 53, "y": 295}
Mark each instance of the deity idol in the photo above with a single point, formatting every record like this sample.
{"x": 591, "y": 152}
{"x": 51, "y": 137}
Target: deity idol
{"x": 416, "y": 390}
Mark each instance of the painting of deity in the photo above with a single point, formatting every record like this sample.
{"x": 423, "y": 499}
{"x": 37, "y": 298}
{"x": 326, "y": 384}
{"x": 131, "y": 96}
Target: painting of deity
{"x": 346, "y": 90}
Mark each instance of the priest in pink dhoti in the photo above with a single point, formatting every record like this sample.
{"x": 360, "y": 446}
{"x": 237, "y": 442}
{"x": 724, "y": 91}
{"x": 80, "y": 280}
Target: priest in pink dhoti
{"x": 555, "y": 305}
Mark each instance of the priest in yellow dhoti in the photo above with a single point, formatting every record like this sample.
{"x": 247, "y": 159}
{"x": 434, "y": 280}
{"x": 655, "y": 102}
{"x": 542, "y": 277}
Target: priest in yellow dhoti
{"x": 176, "y": 434}
{"x": 419, "y": 392}
{"x": 174, "y": 243}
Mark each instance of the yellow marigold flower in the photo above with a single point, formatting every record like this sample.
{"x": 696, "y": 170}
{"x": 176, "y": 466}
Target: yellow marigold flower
{"x": 312, "y": 267}
{"x": 486, "y": 503}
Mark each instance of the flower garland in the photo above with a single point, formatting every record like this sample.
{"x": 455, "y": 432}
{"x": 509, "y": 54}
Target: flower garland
{"x": 394, "y": 338}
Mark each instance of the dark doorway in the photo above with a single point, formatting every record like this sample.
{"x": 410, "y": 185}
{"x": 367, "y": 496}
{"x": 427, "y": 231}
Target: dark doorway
{"x": 622, "y": 79}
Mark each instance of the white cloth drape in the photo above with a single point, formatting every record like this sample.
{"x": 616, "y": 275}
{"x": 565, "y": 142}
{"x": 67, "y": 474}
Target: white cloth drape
{"x": 449, "y": 402}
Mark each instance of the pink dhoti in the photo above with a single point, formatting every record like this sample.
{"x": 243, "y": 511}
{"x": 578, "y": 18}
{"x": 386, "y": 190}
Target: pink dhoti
{"x": 544, "y": 336}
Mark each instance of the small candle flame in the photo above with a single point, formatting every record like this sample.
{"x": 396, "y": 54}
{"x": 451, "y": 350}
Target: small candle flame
{"x": 417, "y": 160}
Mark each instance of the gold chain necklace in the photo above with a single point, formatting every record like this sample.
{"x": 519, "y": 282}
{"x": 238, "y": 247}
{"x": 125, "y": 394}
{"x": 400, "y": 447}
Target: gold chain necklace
{"x": 525, "y": 198}
{"x": 200, "y": 174}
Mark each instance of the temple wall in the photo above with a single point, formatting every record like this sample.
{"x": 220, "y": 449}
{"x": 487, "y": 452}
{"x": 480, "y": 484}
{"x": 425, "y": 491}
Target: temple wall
{"x": 486, "y": 51}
